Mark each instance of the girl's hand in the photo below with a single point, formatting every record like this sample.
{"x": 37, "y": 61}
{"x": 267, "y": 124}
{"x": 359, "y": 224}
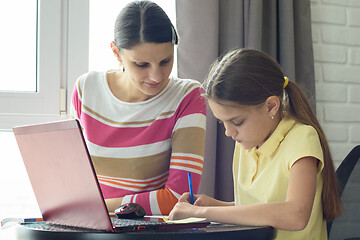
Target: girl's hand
{"x": 183, "y": 210}
{"x": 202, "y": 200}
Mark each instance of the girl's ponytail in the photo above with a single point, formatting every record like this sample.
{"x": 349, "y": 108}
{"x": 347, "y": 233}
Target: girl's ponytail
{"x": 300, "y": 109}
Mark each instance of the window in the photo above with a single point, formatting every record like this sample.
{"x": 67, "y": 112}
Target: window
{"x": 18, "y": 50}
{"x": 55, "y": 53}
{"x": 43, "y": 56}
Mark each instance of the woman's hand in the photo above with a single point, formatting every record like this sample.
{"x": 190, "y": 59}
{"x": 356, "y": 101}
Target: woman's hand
{"x": 113, "y": 203}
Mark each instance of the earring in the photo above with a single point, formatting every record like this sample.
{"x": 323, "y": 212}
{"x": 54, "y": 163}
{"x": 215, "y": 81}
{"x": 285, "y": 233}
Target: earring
{"x": 122, "y": 69}
{"x": 272, "y": 117}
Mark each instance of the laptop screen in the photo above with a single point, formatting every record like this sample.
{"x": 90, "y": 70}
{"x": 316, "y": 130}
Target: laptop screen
{"x": 62, "y": 175}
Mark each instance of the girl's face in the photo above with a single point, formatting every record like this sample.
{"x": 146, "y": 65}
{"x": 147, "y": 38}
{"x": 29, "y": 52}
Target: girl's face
{"x": 147, "y": 68}
{"x": 248, "y": 125}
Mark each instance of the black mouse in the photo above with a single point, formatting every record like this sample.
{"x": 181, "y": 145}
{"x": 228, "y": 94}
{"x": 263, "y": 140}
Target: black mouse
{"x": 130, "y": 210}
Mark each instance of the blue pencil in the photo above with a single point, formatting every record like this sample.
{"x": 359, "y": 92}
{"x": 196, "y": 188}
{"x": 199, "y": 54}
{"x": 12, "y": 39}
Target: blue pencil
{"x": 190, "y": 188}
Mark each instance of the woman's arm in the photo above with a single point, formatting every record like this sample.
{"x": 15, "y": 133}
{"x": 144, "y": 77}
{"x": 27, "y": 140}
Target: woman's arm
{"x": 187, "y": 153}
{"x": 293, "y": 214}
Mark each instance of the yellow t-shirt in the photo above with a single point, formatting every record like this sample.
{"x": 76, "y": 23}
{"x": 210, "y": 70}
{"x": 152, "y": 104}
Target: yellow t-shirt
{"x": 262, "y": 175}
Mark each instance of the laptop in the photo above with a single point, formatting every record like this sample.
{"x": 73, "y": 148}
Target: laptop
{"x": 64, "y": 181}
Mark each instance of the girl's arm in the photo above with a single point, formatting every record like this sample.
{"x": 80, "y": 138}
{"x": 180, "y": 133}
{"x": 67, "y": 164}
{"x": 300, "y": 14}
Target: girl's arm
{"x": 293, "y": 214}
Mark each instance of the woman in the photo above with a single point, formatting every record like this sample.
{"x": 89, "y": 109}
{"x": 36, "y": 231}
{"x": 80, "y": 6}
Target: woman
{"x": 144, "y": 130}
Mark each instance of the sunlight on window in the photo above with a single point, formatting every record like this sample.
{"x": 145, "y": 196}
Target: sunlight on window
{"x": 102, "y": 20}
{"x": 17, "y": 197}
{"x": 18, "y": 45}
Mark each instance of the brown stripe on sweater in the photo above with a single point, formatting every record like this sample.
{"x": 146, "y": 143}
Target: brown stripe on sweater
{"x": 192, "y": 140}
{"x": 134, "y": 168}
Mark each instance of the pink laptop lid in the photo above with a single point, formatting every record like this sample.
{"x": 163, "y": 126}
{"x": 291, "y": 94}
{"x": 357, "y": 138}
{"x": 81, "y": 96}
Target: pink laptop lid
{"x": 62, "y": 175}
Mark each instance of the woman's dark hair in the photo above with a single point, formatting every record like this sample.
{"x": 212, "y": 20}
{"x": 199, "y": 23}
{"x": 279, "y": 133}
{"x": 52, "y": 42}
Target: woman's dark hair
{"x": 249, "y": 77}
{"x": 143, "y": 22}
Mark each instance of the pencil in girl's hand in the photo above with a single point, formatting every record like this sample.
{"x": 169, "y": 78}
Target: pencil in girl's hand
{"x": 190, "y": 188}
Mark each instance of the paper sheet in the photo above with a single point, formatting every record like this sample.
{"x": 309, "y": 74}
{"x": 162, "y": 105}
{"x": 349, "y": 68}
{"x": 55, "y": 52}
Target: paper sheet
{"x": 186, "y": 220}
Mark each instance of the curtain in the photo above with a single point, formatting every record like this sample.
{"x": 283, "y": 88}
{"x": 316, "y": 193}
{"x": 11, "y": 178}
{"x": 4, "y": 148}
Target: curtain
{"x": 209, "y": 28}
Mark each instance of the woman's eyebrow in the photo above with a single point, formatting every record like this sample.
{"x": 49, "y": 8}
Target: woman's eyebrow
{"x": 167, "y": 58}
{"x": 143, "y": 61}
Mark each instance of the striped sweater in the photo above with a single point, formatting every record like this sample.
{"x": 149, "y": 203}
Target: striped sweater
{"x": 143, "y": 151}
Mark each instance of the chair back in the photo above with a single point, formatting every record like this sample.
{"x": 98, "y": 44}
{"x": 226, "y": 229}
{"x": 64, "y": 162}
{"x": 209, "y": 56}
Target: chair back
{"x": 348, "y": 174}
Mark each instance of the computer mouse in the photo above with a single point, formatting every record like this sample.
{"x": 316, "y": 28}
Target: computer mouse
{"x": 130, "y": 210}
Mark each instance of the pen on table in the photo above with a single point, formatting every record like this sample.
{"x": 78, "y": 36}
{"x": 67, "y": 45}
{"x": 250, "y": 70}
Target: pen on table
{"x": 31, "y": 220}
{"x": 7, "y": 221}
{"x": 190, "y": 188}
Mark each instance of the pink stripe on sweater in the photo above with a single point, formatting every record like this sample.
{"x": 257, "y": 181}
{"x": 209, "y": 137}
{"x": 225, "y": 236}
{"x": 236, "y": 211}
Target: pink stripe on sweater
{"x": 111, "y": 192}
{"x": 143, "y": 200}
{"x": 176, "y": 181}
{"x": 76, "y": 102}
{"x": 108, "y": 136}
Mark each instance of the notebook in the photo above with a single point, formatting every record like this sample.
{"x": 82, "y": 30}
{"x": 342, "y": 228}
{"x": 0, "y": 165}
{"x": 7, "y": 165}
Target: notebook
{"x": 65, "y": 184}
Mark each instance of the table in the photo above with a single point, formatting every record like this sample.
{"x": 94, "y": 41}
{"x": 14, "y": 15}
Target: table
{"x": 213, "y": 231}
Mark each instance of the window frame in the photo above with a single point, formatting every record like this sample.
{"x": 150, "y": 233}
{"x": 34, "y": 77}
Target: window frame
{"x": 62, "y": 55}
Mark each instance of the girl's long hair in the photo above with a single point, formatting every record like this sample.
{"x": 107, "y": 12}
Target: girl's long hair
{"x": 249, "y": 77}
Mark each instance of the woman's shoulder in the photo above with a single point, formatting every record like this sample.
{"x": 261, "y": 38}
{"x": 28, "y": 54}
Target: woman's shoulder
{"x": 90, "y": 80}
{"x": 183, "y": 87}
{"x": 184, "y": 83}
{"x": 91, "y": 76}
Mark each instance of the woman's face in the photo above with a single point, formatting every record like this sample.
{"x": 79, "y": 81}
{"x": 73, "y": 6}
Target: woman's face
{"x": 248, "y": 125}
{"x": 147, "y": 68}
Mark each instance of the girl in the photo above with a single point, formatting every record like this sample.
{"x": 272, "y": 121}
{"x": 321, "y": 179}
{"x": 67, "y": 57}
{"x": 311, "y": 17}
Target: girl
{"x": 144, "y": 130}
{"x": 282, "y": 169}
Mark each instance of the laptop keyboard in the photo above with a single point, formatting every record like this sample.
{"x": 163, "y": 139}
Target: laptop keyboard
{"x": 123, "y": 224}
{"x": 133, "y": 222}
{"x": 44, "y": 226}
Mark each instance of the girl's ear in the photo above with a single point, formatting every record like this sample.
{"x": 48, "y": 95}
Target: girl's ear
{"x": 116, "y": 51}
{"x": 273, "y": 105}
